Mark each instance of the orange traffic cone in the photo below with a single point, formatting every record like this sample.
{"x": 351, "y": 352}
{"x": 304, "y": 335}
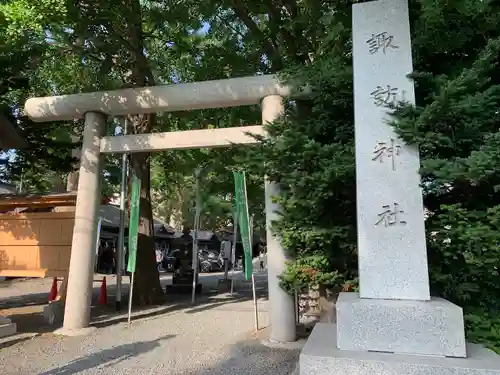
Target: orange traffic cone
{"x": 53, "y": 290}
{"x": 103, "y": 296}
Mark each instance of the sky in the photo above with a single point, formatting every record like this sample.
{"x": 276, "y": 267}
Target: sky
{"x": 205, "y": 28}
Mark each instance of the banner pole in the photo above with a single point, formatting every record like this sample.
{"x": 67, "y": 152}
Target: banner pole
{"x": 256, "y": 312}
{"x": 195, "y": 233}
{"x": 130, "y": 300}
{"x": 98, "y": 244}
{"x": 233, "y": 255}
{"x": 120, "y": 251}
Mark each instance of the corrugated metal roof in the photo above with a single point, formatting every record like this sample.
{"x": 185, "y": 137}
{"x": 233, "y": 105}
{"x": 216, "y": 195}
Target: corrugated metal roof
{"x": 203, "y": 235}
{"x": 110, "y": 216}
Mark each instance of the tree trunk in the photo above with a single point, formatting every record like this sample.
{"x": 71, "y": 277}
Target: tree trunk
{"x": 72, "y": 181}
{"x": 147, "y": 287}
{"x": 74, "y": 175}
{"x": 58, "y": 185}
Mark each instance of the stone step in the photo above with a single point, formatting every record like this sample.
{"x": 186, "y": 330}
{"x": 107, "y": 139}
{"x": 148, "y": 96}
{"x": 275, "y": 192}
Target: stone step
{"x": 320, "y": 356}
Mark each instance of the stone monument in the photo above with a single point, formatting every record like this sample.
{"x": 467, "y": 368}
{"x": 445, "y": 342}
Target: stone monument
{"x": 393, "y": 322}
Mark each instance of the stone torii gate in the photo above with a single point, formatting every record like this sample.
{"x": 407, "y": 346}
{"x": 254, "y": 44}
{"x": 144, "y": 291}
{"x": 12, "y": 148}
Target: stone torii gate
{"x": 96, "y": 107}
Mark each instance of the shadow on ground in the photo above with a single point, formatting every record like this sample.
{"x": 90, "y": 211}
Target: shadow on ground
{"x": 103, "y": 316}
{"x": 30, "y": 324}
{"x": 247, "y": 357}
{"x": 107, "y": 357}
{"x": 253, "y": 358}
{"x": 26, "y": 310}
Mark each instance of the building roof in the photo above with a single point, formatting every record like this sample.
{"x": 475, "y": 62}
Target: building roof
{"x": 110, "y": 216}
{"x": 202, "y": 235}
{"x": 11, "y": 201}
{"x": 9, "y": 136}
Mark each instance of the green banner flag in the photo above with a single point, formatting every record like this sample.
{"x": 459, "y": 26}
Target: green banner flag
{"x": 243, "y": 220}
{"x": 133, "y": 227}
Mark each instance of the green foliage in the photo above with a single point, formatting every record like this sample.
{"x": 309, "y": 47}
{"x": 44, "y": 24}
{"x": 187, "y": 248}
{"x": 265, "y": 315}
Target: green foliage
{"x": 455, "y": 125}
{"x": 483, "y": 326}
{"x": 22, "y": 15}
{"x": 463, "y": 252}
{"x": 308, "y": 271}
{"x": 310, "y": 153}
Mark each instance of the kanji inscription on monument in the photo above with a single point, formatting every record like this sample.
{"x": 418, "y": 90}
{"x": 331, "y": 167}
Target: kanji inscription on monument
{"x": 381, "y": 42}
{"x": 391, "y": 233}
{"x": 387, "y": 150}
{"x": 385, "y": 96}
{"x": 392, "y": 215}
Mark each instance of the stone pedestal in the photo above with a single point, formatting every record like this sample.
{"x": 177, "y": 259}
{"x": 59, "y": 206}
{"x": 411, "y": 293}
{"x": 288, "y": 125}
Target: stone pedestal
{"x": 7, "y": 328}
{"x": 320, "y": 356}
{"x": 434, "y": 327}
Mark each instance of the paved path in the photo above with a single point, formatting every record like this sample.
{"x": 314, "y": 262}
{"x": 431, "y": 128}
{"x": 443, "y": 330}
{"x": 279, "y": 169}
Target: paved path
{"x": 213, "y": 337}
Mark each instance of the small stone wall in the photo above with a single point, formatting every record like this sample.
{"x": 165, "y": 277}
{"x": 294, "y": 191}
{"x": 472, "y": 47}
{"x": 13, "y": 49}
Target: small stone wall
{"x": 317, "y": 303}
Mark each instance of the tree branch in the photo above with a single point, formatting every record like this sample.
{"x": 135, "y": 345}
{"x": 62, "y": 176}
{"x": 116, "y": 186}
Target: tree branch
{"x": 228, "y": 25}
{"x": 243, "y": 14}
{"x": 293, "y": 42}
{"x": 275, "y": 17}
{"x": 291, "y": 6}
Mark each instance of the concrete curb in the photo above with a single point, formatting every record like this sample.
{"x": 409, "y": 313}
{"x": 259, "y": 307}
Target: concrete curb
{"x": 294, "y": 345}
{"x": 75, "y": 332}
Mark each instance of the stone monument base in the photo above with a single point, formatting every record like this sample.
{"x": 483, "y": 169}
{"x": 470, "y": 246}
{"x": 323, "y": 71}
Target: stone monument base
{"x": 7, "y": 328}
{"x": 320, "y": 356}
{"x": 434, "y": 327}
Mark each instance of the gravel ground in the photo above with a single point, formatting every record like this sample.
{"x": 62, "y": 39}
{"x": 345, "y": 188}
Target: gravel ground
{"x": 214, "y": 337}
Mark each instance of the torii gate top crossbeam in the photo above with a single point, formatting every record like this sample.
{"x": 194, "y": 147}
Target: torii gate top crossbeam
{"x": 167, "y": 98}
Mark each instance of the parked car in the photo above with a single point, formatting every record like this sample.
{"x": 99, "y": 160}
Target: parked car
{"x": 210, "y": 261}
